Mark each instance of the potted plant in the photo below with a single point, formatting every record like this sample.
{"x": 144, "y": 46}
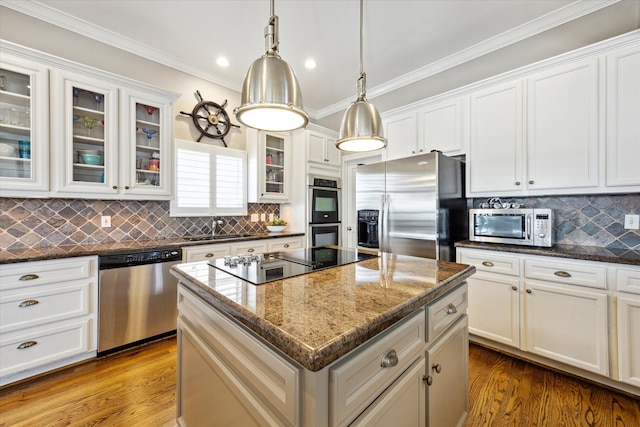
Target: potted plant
{"x": 276, "y": 225}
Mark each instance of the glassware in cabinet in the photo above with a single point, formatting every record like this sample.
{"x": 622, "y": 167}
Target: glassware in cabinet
{"x": 274, "y": 165}
{"x": 88, "y": 132}
{"x": 23, "y": 138}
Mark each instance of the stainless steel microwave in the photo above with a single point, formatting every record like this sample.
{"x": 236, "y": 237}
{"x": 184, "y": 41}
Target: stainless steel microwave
{"x": 528, "y": 227}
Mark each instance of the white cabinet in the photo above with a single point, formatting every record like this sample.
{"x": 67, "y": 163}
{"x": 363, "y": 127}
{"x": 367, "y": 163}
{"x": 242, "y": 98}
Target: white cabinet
{"x": 555, "y": 309}
{"x": 562, "y": 127}
{"x": 285, "y": 243}
{"x": 321, "y": 147}
{"x": 48, "y": 315}
{"x": 24, "y": 126}
{"x": 401, "y": 132}
{"x": 442, "y": 127}
{"x": 127, "y": 133}
{"x": 269, "y": 166}
{"x": 494, "y": 164}
{"x": 219, "y": 250}
{"x": 205, "y": 252}
{"x": 629, "y": 338}
{"x": 623, "y": 125}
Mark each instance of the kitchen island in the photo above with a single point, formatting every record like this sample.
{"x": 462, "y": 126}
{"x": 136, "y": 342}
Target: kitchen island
{"x": 380, "y": 339}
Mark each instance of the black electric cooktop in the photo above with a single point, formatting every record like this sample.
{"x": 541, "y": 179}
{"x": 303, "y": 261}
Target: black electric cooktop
{"x": 263, "y": 268}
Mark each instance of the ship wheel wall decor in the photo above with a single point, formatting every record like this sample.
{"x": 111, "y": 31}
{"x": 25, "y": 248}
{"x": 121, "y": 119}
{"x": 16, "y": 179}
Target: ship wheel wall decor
{"x": 211, "y": 119}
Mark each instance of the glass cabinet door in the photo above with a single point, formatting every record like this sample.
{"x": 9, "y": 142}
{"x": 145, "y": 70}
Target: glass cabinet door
{"x": 87, "y": 158}
{"x": 146, "y": 150}
{"x": 275, "y": 171}
{"x": 23, "y": 126}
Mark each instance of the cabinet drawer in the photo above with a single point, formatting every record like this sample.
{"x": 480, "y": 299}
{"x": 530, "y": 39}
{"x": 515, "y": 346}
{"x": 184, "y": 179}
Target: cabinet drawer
{"x": 490, "y": 262}
{"x": 445, "y": 312}
{"x": 252, "y": 247}
{"x": 205, "y": 253}
{"x": 275, "y": 381}
{"x": 38, "y": 305}
{"x": 285, "y": 244}
{"x": 45, "y": 272}
{"x": 571, "y": 273}
{"x": 360, "y": 378}
{"x": 38, "y": 346}
{"x": 628, "y": 280}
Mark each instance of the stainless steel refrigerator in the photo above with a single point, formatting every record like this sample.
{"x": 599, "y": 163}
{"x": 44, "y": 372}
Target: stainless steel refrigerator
{"x": 415, "y": 205}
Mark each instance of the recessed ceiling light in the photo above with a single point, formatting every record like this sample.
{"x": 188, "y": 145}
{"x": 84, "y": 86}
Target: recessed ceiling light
{"x": 222, "y": 61}
{"x": 310, "y": 64}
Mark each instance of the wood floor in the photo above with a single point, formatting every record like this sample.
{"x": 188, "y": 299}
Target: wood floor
{"x": 137, "y": 388}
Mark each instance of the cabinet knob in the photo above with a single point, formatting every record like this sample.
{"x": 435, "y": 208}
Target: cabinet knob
{"x": 26, "y": 344}
{"x": 29, "y": 303}
{"x": 531, "y": 182}
{"x": 389, "y": 359}
{"x": 126, "y": 187}
{"x": 562, "y": 274}
{"x": 29, "y": 277}
{"x": 437, "y": 368}
{"x": 413, "y": 151}
{"x": 517, "y": 182}
{"x": 209, "y": 255}
{"x": 349, "y": 228}
{"x": 514, "y": 287}
{"x": 451, "y": 309}
{"x": 487, "y": 263}
{"x": 115, "y": 187}
{"x": 427, "y": 379}
{"x": 528, "y": 291}
{"x": 286, "y": 245}
{"x": 421, "y": 150}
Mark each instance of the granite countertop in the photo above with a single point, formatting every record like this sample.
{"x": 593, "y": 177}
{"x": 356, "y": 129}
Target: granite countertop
{"x": 587, "y": 253}
{"x": 68, "y": 251}
{"x": 318, "y": 317}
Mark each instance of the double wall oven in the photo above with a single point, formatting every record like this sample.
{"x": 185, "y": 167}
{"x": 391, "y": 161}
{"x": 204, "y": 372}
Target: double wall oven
{"x": 324, "y": 211}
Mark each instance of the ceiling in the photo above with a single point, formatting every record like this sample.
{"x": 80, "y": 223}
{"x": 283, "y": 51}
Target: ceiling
{"x": 405, "y": 42}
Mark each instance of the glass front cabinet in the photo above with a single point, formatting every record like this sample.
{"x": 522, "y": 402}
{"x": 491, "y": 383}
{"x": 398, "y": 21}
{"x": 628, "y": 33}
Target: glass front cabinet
{"x": 112, "y": 140}
{"x": 24, "y": 126}
{"x": 269, "y": 159}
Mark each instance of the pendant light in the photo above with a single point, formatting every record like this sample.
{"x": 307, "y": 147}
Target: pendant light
{"x": 271, "y": 98}
{"x": 361, "y": 128}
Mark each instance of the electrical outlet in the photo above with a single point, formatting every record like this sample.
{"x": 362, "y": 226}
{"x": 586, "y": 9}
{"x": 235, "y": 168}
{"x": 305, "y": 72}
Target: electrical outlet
{"x": 105, "y": 221}
{"x": 254, "y": 217}
{"x": 270, "y": 217}
{"x": 631, "y": 222}
{"x": 263, "y": 217}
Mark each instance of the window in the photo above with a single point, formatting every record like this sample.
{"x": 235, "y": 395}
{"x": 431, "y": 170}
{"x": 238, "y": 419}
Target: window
{"x": 209, "y": 180}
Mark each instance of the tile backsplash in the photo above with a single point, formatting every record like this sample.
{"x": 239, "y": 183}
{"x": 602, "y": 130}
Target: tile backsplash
{"x": 27, "y": 223}
{"x": 588, "y": 220}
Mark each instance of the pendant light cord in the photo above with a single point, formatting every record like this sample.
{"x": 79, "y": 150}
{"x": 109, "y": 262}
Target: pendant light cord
{"x": 362, "y": 80}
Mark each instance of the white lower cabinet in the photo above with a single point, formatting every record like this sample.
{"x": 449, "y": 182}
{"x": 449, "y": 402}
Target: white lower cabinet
{"x": 48, "y": 315}
{"x": 220, "y": 250}
{"x": 629, "y": 338}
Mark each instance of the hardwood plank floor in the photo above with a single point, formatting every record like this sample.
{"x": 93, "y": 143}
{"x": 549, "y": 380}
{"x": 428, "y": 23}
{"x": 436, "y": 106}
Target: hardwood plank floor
{"x": 137, "y": 388}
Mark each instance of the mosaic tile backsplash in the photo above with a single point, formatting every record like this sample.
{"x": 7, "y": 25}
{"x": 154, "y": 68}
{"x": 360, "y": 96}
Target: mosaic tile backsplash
{"x": 588, "y": 220}
{"x": 27, "y": 223}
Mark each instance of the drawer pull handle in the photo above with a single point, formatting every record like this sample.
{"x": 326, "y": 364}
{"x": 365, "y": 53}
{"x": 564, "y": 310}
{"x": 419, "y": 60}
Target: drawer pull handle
{"x": 562, "y": 274}
{"x": 437, "y": 367}
{"x": 286, "y": 245}
{"x": 389, "y": 359}
{"x": 29, "y": 303}
{"x": 27, "y": 344}
{"x": 209, "y": 255}
{"x": 451, "y": 309}
{"x": 487, "y": 263}
{"x": 29, "y": 277}
{"x": 250, "y": 250}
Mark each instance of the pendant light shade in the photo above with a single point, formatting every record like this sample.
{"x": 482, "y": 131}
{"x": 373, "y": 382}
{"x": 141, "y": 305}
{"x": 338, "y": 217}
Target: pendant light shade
{"x": 271, "y": 98}
{"x": 361, "y": 128}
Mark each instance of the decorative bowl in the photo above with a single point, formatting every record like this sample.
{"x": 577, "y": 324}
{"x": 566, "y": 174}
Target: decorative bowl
{"x": 276, "y": 228}
{"x": 92, "y": 159}
{"x": 6, "y": 150}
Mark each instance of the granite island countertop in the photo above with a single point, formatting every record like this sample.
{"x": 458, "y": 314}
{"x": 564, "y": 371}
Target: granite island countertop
{"x": 318, "y": 317}
{"x": 112, "y": 248}
{"x": 586, "y": 253}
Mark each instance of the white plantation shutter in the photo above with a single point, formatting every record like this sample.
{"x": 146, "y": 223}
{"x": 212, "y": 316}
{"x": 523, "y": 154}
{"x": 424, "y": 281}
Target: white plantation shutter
{"x": 209, "y": 180}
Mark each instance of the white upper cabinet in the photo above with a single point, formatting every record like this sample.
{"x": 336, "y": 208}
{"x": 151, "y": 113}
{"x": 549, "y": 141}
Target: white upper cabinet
{"x": 623, "y": 118}
{"x": 401, "y": 132}
{"x": 442, "y": 127}
{"x": 494, "y": 164}
{"x": 321, "y": 148}
{"x": 269, "y": 166}
{"x": 24, "y": 126}
{"x": 562, "y": 127}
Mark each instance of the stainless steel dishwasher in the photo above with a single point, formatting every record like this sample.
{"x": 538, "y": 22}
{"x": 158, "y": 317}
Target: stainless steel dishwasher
{"x": 137, "y": 298}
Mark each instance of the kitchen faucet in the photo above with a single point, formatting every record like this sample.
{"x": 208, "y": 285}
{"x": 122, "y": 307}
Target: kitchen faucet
{"x": 217, "y": 222}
